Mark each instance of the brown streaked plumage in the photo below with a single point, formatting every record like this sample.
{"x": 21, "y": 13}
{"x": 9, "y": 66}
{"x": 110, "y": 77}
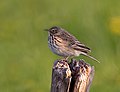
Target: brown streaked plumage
{"x": 64, "y": 44}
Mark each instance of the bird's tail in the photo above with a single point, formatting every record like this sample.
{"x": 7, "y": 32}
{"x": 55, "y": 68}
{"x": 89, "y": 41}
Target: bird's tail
{"x": 85, "y": 54}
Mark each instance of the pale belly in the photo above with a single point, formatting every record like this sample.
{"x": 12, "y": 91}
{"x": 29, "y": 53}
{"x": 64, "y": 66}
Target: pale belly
{"x": 61, "y": 51}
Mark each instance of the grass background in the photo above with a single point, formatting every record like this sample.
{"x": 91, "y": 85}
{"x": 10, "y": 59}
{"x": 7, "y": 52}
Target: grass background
{"x": 25, "y": 59}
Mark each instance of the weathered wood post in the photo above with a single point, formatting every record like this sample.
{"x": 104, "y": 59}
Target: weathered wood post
{"x": 75, "y": 76}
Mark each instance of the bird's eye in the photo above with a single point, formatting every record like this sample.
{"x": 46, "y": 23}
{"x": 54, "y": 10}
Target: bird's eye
{"x": 54, "y": 31}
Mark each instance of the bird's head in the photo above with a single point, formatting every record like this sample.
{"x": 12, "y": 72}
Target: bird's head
{"x": 54, "y": 30}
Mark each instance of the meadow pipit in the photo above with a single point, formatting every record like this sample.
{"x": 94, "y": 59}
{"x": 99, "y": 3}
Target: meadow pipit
{"x": 64, "y": 44}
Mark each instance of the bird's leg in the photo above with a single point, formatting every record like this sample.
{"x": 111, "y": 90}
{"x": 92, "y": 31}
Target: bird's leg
{"x": 66, "y": 58}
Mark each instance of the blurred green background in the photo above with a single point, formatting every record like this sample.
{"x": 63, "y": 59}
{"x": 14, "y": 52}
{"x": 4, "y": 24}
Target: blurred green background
{"x": 25, "y": 59}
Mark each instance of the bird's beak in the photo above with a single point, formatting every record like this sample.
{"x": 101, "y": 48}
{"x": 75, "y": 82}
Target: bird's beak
{"x": 46, "y": 30}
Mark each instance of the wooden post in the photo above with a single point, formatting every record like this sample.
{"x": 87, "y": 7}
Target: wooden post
{"x": 75, "y": 76}
{"x": 61, "y": 77}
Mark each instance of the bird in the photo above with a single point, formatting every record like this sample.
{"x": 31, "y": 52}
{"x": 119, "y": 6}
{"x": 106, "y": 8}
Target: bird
{"x": 64, "y": 44}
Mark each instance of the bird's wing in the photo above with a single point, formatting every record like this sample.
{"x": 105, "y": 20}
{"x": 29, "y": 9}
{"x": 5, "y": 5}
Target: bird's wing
{"x": 70, "y": 41}
{"x": 74, "y": 43}
{"x": 80, "y": 47}
{"x": 65, "y": 38}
